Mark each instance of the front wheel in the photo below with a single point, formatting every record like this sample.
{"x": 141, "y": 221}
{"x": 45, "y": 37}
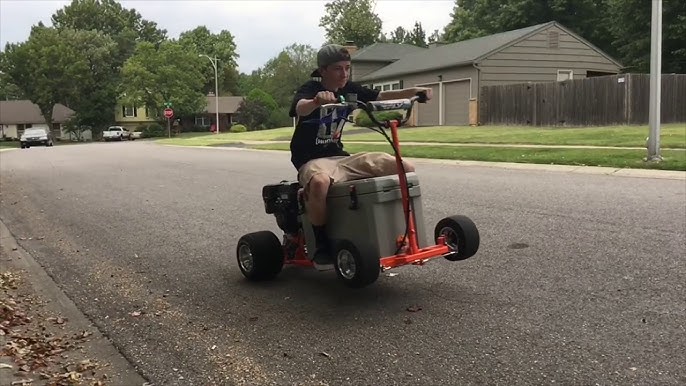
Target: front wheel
{"x": 356, "y": 266}
{"x": 259, "y": 255}
{"x": 461, "y": 236}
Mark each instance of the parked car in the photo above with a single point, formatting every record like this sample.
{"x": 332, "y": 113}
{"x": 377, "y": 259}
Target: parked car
{"x": 116, "y": 133}
{"x": 35, "y": 137}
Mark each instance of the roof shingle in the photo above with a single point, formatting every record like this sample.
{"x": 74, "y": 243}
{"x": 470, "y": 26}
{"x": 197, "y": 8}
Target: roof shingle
{"x": 227, "y": 104}
{"x": 385, "y": 52}
{"x": 25, "y": 111}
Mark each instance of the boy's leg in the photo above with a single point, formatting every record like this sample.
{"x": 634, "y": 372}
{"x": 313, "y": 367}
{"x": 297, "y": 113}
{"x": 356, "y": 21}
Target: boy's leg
{"x": 316, "y": 178}
{"x": 370, "y": 164}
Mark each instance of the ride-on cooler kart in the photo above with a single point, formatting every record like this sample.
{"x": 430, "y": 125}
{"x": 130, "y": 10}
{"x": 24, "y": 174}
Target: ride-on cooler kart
{"x": 375, "y": 224}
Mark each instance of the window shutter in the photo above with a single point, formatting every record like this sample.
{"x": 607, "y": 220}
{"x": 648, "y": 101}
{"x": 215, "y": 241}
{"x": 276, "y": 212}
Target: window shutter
{"x": 123, "y": 111}
{"x": 401, "y": 84}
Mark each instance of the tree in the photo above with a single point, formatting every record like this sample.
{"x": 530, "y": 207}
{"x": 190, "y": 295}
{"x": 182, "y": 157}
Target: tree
{"x": 436, "y": 36}
{"x": 283, "y": 74}
{"x": 351, "y": 20}
{"x": 399, "y": 35}
{"x": 61, "y": 66}
{"x": 126, "y": 26}
{"x": 418, "y": 36}
{"x": 8, "y": 90}
{"x": 222, "y": 45}
{"x": 154, "y": 76}
{"x": 257, "y": 109}
{"x": 629, "y": 22}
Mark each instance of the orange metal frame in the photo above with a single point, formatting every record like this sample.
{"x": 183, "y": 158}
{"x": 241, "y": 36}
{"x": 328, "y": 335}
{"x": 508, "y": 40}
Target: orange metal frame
{"x": 412, "y": 253}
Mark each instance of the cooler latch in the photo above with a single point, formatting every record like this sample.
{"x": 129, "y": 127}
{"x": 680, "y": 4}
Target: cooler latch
{"x": 353, "y": 198}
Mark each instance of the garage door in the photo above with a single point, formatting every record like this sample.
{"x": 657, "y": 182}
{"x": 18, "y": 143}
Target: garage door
{"x": 428, "y": 112}
{"x": 456, "y": 102}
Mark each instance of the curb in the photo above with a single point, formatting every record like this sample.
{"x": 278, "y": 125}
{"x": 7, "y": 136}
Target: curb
{"x": 121, "y": 371}
{"x": 597, "y": 170}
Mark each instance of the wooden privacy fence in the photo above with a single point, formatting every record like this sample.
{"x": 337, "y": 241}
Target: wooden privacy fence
{"x": 606, "y": 100}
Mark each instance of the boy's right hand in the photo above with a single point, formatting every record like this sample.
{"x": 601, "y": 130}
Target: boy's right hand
{"x": 324, "y": 97}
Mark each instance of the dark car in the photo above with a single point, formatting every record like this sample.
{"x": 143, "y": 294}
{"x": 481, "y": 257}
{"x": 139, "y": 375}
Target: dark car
{"x": 36, "y": 137}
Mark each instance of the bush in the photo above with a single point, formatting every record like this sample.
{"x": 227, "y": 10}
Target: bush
{"x": 238, "y": 128}
{"x": 153, "y": 130}
{"x": 363, "y": 120}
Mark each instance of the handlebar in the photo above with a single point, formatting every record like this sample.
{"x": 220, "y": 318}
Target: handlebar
{"x": 376, "y": 106}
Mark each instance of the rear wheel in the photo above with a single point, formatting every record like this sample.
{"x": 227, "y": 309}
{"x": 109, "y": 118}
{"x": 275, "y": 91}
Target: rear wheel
{"x": 461, "y": 235}
{"x": 356, "y": 266}
{"x": 259, "y": 255}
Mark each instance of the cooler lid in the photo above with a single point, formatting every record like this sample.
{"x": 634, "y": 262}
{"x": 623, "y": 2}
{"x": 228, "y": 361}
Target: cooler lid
{"x": 371, "y": 185}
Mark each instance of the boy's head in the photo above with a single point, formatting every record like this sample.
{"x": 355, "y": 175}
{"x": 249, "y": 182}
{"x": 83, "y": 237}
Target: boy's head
{"x": 333, "y": 62}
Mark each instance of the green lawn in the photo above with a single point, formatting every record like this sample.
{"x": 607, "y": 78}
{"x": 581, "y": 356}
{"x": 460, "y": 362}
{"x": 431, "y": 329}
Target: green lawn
{"x": 672, "y": 135}
{"x": 619, "y": 158}
{"x": 209, "y": 139}
{"x": 9, "y": 144}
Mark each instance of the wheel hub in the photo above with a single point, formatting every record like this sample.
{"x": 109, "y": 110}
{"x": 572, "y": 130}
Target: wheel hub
{"x": 451, "y": 237}
{"x": 245, "y": 258}
{"x": 346, "y": 264}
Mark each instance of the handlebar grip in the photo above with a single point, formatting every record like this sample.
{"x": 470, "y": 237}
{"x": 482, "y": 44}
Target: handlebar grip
{"x": 421, "y": 97}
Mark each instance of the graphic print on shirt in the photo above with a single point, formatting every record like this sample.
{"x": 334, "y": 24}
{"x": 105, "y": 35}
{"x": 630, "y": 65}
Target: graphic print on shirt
{"x": 331, "y": 126}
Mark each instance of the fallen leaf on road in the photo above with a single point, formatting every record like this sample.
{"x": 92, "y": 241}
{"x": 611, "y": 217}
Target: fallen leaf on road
{"x": 253, "y": 319}
{"x": 414, "y": 308}
{"x": 324, "y": 354}
{"x": 22, "y": 382}
{"x": 136, "y": 313}
{"x": 5, "y": 366}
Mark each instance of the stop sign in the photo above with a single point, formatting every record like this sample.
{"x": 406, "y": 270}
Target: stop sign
{"x": 168, "y": 113}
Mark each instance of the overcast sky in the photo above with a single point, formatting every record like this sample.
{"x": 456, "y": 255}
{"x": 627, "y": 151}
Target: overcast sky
{"x": 261, "y": 28}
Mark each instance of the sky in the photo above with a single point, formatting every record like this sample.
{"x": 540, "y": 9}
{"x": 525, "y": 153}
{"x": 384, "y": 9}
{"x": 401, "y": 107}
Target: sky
{"x": 261, "y": 28}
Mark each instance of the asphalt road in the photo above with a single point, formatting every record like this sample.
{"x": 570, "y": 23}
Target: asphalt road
{"x": 579, "y": 278}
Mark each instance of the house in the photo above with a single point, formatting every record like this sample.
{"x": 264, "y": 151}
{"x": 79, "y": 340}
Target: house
{"x": 131, "y": 117}
{"x": 546, "y": 52}
{"x": 19, "y": 115}
{"x": 228, "y": 107}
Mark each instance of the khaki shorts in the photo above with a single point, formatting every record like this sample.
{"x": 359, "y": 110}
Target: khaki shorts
{"x": 347, "y": 168}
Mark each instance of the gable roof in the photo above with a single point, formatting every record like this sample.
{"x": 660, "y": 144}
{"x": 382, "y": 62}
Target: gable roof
{"x": 385, "y": 52}
{"x": 227, "y": 104}
{"x": 25, "y": 111}
{"x": 463, "y": 52}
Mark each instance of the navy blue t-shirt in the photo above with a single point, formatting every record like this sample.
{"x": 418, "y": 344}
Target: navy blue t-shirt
{"x": 316, "y": 136}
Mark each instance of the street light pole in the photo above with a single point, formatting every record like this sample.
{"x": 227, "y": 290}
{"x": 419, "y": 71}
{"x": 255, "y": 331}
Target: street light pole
{"x": 216, "y": 88}
{"x": 655, "y": 81}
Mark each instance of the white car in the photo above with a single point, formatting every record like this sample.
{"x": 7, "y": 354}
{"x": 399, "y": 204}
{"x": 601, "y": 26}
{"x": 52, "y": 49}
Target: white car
{"x": 116, "y": 133}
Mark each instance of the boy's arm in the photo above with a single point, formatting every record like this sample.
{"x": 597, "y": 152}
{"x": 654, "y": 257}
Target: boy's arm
{"x": 404, "y": 93}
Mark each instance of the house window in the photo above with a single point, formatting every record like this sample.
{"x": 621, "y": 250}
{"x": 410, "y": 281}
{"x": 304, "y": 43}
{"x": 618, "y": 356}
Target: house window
{"x": 129, "y": 111}
{"x": 563, "y": 75}
{"x": 202, "y": 121}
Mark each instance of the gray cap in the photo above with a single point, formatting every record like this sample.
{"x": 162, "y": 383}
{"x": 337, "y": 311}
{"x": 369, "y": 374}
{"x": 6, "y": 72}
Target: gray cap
{"x": 329, "y": 54}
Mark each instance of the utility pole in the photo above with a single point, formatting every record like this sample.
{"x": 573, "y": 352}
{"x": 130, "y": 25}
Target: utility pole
{"x": 655, "y": 81}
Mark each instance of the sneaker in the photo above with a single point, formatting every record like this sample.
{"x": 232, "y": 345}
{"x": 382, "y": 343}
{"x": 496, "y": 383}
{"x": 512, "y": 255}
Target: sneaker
{"x": 322, "y": 259}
